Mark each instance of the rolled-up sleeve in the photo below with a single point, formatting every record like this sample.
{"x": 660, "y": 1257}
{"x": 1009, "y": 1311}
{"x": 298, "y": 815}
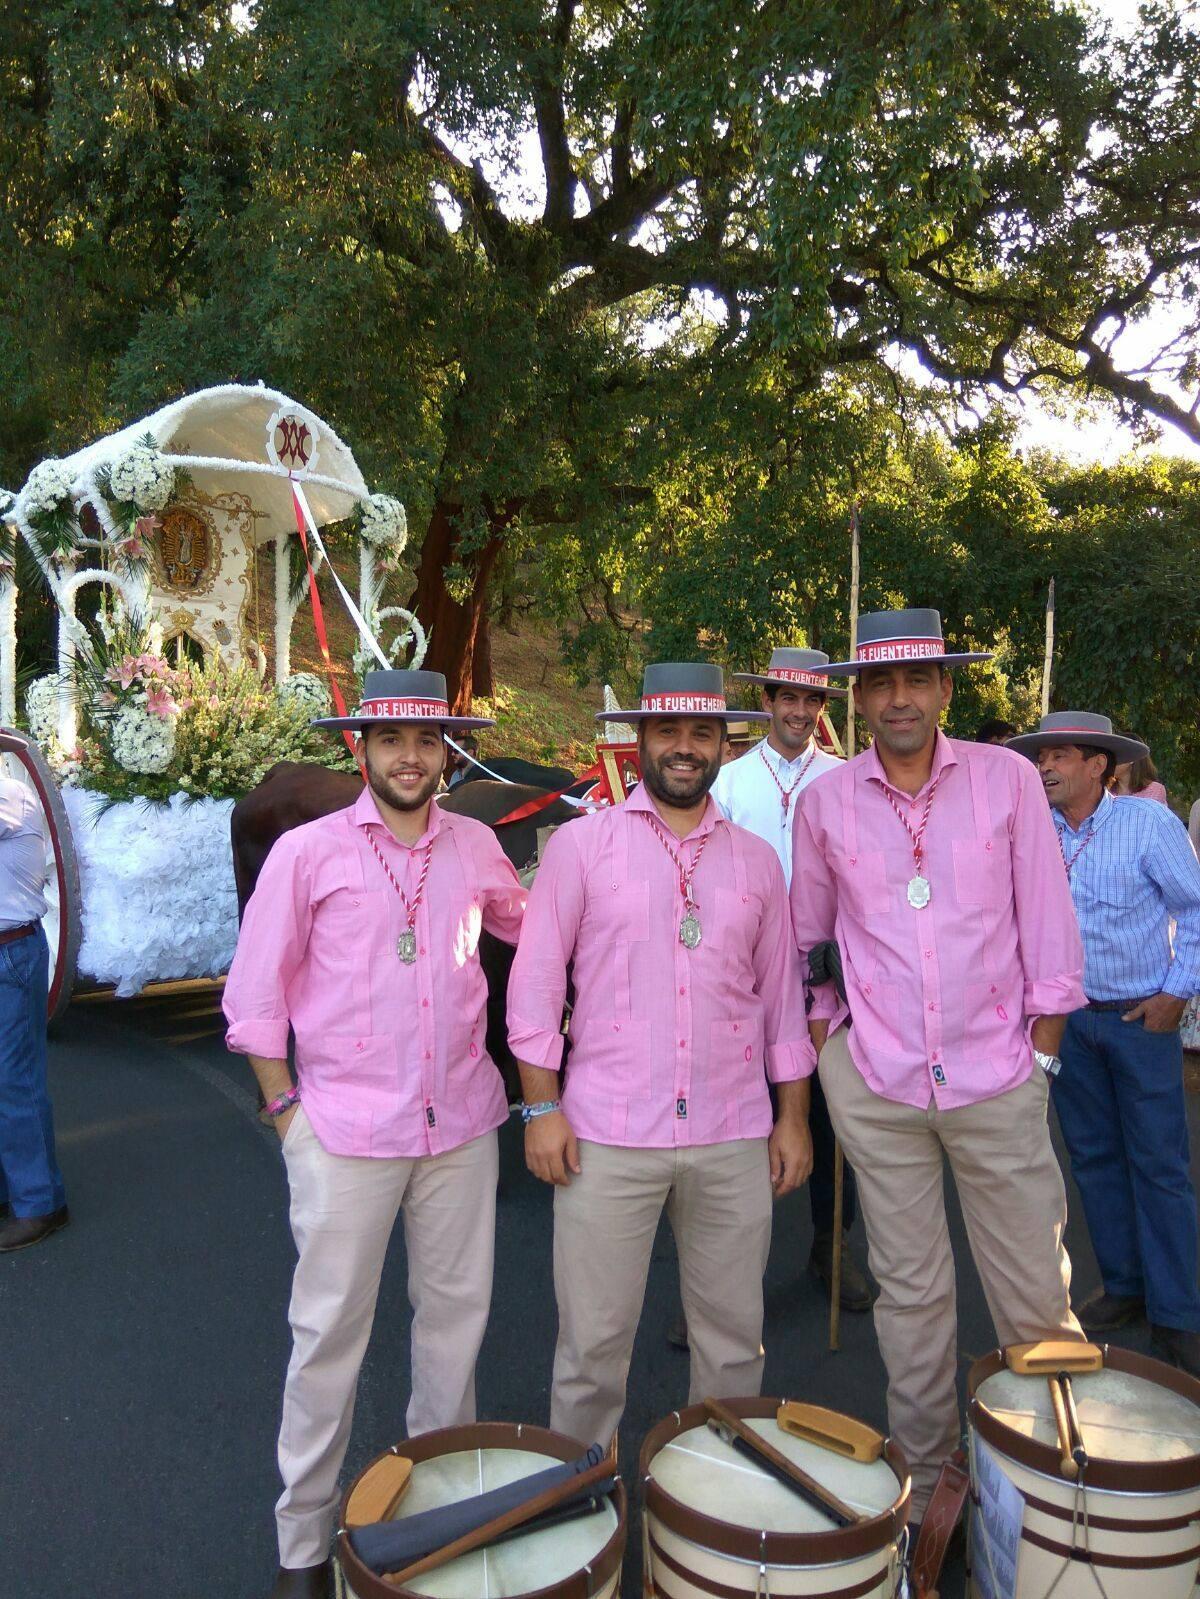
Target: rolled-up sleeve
{"x": 1051, "y": 949}
{"x": 537, "y": 985}
{"x": 270, "y": 952}
{"x": 789, "y": 1052}
{"x": 813, "y": 901}
{"x": 501, "y": 892}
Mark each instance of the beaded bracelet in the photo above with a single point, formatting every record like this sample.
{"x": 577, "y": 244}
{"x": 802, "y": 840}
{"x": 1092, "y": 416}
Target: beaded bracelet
{"x": 528, "y": 1112}
{"x": 282, "y": 1103}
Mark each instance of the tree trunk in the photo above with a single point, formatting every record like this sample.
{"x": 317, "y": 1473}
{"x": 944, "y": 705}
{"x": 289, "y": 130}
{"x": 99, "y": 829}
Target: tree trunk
{"x": 482, "y": 681}
{"x": 453, "y": 628}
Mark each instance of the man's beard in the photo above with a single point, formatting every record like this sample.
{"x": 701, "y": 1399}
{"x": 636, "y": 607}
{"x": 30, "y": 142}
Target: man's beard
{"x": 383, "y": 789}
{"x": 679, "y": 789}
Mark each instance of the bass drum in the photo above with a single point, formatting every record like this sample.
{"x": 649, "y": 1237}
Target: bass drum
{"x": 1128, "y": 1526}
{"x": 63, "y": 921}
{"x": 578, "y": 1559}
{"x": 716, "y": 1524}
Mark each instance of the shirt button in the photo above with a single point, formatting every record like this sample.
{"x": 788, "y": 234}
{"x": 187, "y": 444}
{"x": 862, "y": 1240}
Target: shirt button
{"x": 616, "y": 1027}
{"x": 422, "y": 949}
{"x": 428, "y": 1054}
{"x": 683, "y": 1043}
{"x": 866, "y": 988}
{"x": 988, "y": 845}
{"x": 683, "y": 990}
{"x": 928, "y": 954}
{"x": 356, "y": 902}
{"x": 359, "y": 1045}
{"x": 425, "y": 1003}
{"x": 932, "y": 1006}
{"x": 854, "y": 860}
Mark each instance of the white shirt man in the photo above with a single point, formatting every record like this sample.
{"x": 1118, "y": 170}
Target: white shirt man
{"x": 759, "y": 791}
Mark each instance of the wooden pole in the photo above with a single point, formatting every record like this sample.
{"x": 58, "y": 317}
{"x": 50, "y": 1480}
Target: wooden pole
{"x": 839, "y": 1160}
{"x": 853, "y": 624}
{"x": 1049, "y": 660}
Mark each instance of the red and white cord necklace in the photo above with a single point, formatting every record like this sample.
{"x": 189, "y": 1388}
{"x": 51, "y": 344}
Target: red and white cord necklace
{"x": 690, "y": 932}
{"x": 785, "y": 794}
{"x": 406, "y": 944}
{"x": 1070, "y": 862}
{"x": 919, "y": 891}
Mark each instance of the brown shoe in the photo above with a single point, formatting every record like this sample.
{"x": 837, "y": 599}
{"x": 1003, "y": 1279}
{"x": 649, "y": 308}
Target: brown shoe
{"x": 1106, "y": 1312}
{"x": 304, "y": 1582}
{"x": 18, "y": 1232}
{"x": 857, "y": 1291}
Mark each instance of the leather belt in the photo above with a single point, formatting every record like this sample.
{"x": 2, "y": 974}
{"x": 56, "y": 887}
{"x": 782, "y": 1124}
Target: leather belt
{"x": 11, "y": 934}
{"x": 1117, "y": 1004}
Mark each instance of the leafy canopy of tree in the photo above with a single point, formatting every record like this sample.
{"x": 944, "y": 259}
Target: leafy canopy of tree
{"x": 329, "y": 198}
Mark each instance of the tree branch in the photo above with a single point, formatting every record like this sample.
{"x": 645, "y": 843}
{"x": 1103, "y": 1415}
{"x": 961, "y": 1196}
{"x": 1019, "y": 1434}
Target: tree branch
{"x": 546, "y": 76}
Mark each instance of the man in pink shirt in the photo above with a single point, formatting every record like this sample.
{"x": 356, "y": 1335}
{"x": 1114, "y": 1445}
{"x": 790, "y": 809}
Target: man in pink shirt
{"x": 363, "y": 936}
{"x": 933, "y": 863}
{"x": 688, "y": 1001}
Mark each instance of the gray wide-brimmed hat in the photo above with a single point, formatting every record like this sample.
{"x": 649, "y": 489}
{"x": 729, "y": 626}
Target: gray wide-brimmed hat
{"x": 1078, "y": 728}
{"x": 683, "y": 688}
{"x": 403, "y": 696}
{"x": 795, "y": 668}
{"x": 886, "y": 638}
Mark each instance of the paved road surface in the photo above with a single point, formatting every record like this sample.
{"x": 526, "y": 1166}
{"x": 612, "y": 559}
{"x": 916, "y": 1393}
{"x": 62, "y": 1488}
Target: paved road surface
{"x": 142, "y": 1350}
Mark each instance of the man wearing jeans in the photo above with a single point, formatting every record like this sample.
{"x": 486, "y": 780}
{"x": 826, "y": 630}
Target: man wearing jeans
{"x": 32, "y": 1200}
{"x": 1119, "y": 1096}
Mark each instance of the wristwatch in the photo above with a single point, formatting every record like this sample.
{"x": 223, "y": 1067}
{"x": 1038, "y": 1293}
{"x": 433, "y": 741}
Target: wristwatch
{"x": 1050, "y": 1064}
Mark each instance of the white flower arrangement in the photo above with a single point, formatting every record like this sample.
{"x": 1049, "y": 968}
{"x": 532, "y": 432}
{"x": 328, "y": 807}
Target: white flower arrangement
{"x": 41, "y": 708}
{"x": 143, "y": 477}
{"x": 47, "y": 490}
{"x": 383, "y": 522}
{"x": 306, "y": 691}
{"x": 141, "y": 741}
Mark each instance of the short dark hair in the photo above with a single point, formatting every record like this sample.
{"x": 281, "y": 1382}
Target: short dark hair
{"x": 992, "y": 728}
{"x": 1110, "y": 760}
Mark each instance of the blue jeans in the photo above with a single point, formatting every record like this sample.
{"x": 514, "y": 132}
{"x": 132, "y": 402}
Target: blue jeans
{"x": 29, "y": 1176}
{"x": 1120, "y": 1104}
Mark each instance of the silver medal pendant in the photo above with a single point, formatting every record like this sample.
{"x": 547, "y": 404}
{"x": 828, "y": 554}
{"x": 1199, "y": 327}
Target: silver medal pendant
{"x": 406, "y": 946}
{"x": 689, "y": 931}
{"x": 919, "y": 893}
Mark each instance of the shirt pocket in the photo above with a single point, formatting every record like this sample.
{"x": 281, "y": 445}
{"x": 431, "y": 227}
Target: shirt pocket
{"x": 982, "y": 872}
{"x": 352, "y": 914}
{"x": 736, "y": 918}
{"x": 735, "y": 1053}
{"x": 864, "y": 877}
{"x": 357, "y": 1061}
{"x": 611, "y": 1055}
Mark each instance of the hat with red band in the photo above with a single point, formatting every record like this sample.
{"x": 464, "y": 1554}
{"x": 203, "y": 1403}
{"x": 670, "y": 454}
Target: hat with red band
{"x": 400, "y": 696}
{"x": 795, "y": 668}
{"x": 902, "y": 638}
{"x": 1082, "y": 729}
{"x": 683, "y": 688}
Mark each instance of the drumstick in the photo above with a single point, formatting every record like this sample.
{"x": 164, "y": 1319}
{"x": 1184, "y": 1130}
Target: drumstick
{"x": 551, "y": 1499}
{"x": 780, "y": 1466}
{"x": 1067, "y": 1464}
{"x": 1079, "y": 1452}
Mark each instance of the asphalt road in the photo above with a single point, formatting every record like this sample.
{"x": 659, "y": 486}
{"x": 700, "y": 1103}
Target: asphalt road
{"x": 142, "y": 1350}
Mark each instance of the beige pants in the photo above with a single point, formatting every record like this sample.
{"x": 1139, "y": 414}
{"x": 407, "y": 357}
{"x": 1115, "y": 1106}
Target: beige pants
{"x": 343, "y": 1209}
{"x": 718, "y": 1197}
{"x": 1015, "y": 1206}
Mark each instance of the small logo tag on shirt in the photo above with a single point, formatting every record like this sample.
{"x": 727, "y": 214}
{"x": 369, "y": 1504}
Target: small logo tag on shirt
{"x": 431, "y": 1115}
{"x": 681, "y": 1109}
{"x": 939, "y": 1077}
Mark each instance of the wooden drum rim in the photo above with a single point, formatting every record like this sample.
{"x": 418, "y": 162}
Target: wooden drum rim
{"x": 748, "y": 1543}
{"x": 1114, "y": 1476}
{"x": 488, "y": 1435}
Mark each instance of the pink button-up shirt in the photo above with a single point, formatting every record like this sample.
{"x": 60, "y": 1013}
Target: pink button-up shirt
{"x": 941, "y": 996}
{"x": 391, "y": 1058}
{"x": 668, "y": 1045}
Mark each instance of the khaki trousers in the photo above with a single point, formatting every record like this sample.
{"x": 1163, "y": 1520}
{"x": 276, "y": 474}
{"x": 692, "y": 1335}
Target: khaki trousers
{"x": 1015, "y": 1206}
{"x": 718, "y": 1197}
{"x": 343, "y": 1209}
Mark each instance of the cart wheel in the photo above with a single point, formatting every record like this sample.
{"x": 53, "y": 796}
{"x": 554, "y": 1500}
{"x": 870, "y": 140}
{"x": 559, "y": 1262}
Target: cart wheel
{"x": 63, "y": 921}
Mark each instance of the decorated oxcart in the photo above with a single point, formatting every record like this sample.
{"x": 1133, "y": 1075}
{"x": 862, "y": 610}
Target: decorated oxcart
{"x": 173, "y": 690}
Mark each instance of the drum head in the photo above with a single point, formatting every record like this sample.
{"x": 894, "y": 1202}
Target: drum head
{"x": 521, "y": 1565}
{"x": 1123, "y": 1416}
{"x": 701, "y": 1471}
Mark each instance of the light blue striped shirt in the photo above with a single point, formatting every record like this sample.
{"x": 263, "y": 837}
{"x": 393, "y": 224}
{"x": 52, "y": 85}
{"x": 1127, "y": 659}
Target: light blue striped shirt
{"x": 1134, "y": 871}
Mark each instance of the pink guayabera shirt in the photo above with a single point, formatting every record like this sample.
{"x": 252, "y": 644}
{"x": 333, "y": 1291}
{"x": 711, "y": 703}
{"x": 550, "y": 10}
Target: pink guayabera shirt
{"x": 391, "y": 1058}
{"x": 940, "y": 997}
{"x": 668, "y": 1045}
